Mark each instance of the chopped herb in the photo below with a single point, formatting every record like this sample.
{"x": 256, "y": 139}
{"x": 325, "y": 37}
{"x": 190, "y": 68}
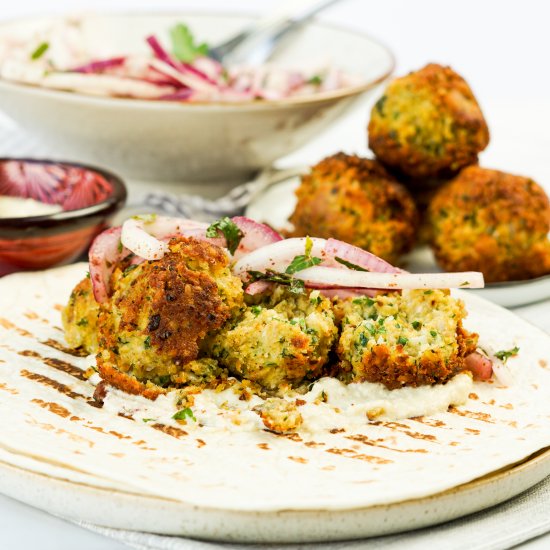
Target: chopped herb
{"x": 315, "y": 300}
{"x": 416, "y": 325}
{"x": 256, "y": 310}
{"x": 465, "y": 283}
{"x": 504, "y": 355}
{"x": 145, "y": 218}
{"x": 164, "y": 380}
{"x": 315, "y": 80}
{"x": 402, "y": 340}
{"x": 365, "y": 300}
{"x": 233, "y": 235}
{"x": 119, "y": 247}
{"x": 428, "y": 292}
{"x": 296, "y": 286}
{"x": 184, "y": 46}
{"x": 379, "y": 105}
{"x": 148, "y": 419}
{"x": 147, "y": 342}
{"x": 128, "y": 269}
{"x": 323, "y": 396}
{"x": 433, "y": 333}
{"x": 87, "y": 274}
{"x": 83, "y": 322}
{"x": 363, "y": 340}
{"x": 303, "y": 261}
{"x": 183, "y": 414}
{"x": 355, "y": 267}
{"x": 40, "y": 51}
{"x": 122, "y": 341}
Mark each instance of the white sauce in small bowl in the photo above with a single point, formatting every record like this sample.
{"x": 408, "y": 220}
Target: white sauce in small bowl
{"x": 17, "y": 207}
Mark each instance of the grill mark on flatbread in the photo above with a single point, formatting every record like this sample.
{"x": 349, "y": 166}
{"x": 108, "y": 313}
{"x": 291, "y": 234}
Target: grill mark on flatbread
{"x": 62, "y": 388}
{"x": 127, "y": 416}
{"x": 54, "y": 408}
{"x": 482, "y": 417}
{"x": 350, "y": 453}
{"x": 379, "y": 443}
{"x": 404, "y": 429}
{"x": 76, "y": 352}
{"x": 59, "y": 307}
{"x": 200, "y": 443}
{"x": 298, "y": 459}
{"x": 429, "y": 422}
{"x": 60, "y": 431}
{"x": 472, "y": 431}
{"x": 264, "y": 446}
{"x": 292, "y": 436}
{"x": 313, "y": 444}
{"x": 63, "y": 366}
{"x": 543, "y": 363}
{"x": 8, "y": 325}
{"x": 5, "y": 388}
{"x": 170, "y": 430}
{"x": 33, "y": 316}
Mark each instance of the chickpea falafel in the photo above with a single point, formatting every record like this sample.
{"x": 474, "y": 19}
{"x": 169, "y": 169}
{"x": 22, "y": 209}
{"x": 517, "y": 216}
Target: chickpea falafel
{"x": 413, "y": 338}
{"x": 427, "y": 124}
{"x": 493, "y": 222}
{"x": 159, "y": 314}
{"x": 355, "y": 200}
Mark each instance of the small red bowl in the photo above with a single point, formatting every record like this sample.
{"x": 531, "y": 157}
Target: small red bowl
{"x": 89, "y": 197}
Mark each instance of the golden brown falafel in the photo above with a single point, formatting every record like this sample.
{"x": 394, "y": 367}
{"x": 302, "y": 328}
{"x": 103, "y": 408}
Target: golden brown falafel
{"x": 413, "y": 338}
{"x": 79, "y": 317}
{"x": 493, "y": 222}
{"x": 427, "y": 124}
{"x": 355, "y": 200}
{"x": 160, "y": 312}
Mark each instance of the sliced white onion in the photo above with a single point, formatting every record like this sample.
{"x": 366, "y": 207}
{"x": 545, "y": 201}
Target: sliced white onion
{"x": 277, "y": 256}
{"x": 256, "y": 235}
{"x": 335, "y": 278}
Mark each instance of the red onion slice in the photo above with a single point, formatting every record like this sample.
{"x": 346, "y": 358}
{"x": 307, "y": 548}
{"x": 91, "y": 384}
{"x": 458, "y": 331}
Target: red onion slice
{"x": 258, "y": 287}
{"x": 480, "y": 366}
{"x": 336, "y": 278}
{"x": 99, "y": 65}
{"x": 359, "y": 257}
{"x": 106, "y": 251}
{"x": 256, "y": 235}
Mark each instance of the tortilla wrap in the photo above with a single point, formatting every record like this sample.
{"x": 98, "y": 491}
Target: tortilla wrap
{"x": 50, "y": 423}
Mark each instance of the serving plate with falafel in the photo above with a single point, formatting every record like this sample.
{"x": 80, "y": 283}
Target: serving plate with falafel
{"x": 423, "y": 201}
{"x": 263, "y": 389}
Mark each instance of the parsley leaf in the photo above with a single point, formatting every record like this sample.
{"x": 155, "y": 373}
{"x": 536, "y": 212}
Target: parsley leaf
{"x": 233, "y": 235}
{"x": 40, "y": 51}
{"x": 304, "y": 260}
{"x": 296, "y": 286}
{"x": 349, "y": 264}
{"x": 184, "y": 46}
{"x": 504, "y": 355}
{"x": 183, "y": 414}
{"x": 315, "y": 80}
{"x": 402, "y": 340}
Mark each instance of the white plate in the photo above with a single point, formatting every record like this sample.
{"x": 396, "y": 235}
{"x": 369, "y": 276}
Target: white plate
{"x": 274, "y": 205}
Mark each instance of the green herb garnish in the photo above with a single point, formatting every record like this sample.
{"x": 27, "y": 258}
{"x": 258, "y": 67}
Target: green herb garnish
{"x": 83, "y": 322}
{"x": 416, "y": 325}
{"x": 402, "y": 340}
{"x": 233, "y": 235}
{"x": 304, "y": 260}
{"x": 148, "y": 419}
{"x": 504, "y": 355}
{"x": 433, "y": 333}
{"x": 428, "y": 292}
{"x": 256, "y": 310}
{"x": 183, "y": 414}
{"x": 147, "y": 342}
{"x": 315, "y": 80}
{"x": 296, "y": 286}
{"x": 40, "y": 51}
{"x": 87, "y": 274}
{"x": 145, "y": 218}
{"x": 120, "y": 247}
{"x": 184, "y": 46}
{"x": 349, "y": 264}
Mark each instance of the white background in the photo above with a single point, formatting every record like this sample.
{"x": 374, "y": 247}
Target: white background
{"x": 501, "y": 47}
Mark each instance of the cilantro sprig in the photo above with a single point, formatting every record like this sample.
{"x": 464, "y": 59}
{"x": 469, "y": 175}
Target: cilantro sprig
{"x": 184, "y": 46}
{"x": 40, "y": 51}
{"x": 504, "y": 355}
{"x": 296, "y": 286}
{"x": 229, "y": 229}
{"x": 355, "y": 267}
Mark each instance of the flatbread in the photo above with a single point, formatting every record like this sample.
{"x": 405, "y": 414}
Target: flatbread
{"x": 50, "y": 424}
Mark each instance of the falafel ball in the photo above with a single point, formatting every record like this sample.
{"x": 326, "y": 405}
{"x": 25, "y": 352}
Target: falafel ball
{"x": 355, "y": 200}
{"x": 413, "y": 339}
{"x": 493, "y": 222}
{"x": 79, "y": 317}
{"x": 427, "y": 124}
{"x": 159, "y": 314}
{"x": 279, "y": 341}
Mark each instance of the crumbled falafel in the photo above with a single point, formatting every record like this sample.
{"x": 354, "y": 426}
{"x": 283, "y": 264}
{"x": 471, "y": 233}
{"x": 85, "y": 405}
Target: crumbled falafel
{"x": 493, "y": 222}
{"x": 427, "y": 124}
{"x": 79, "y": 317}
{"x": 355, "y": 200}
{"x": 412, "y": 338}
{"x": 279, "y": 415}
{"x": 279, "y": 341}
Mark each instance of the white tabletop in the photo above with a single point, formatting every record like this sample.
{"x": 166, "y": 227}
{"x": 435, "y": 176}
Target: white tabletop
{"x": 500, "y": 47}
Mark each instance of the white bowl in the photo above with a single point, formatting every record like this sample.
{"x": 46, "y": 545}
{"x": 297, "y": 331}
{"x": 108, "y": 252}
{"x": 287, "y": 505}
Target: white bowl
{"x": 167, "y": 141}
